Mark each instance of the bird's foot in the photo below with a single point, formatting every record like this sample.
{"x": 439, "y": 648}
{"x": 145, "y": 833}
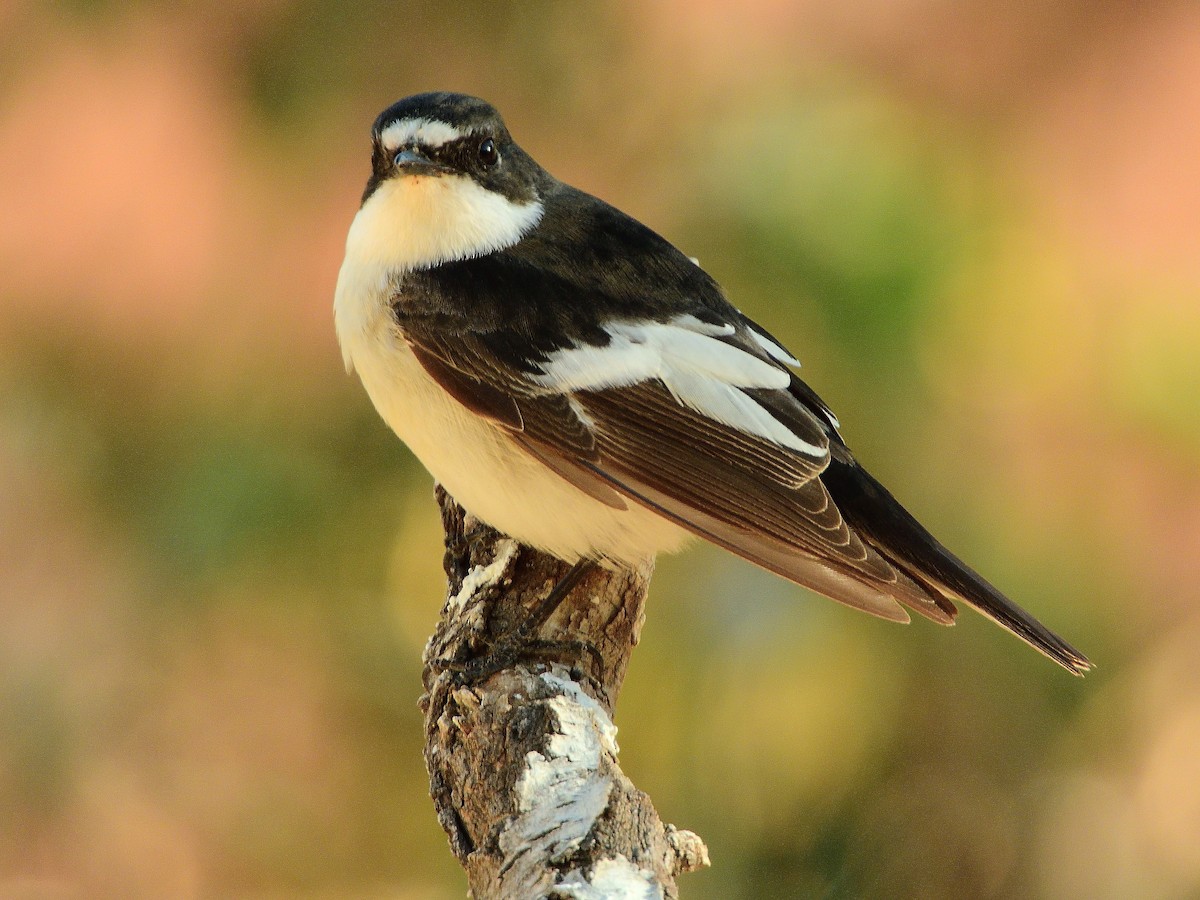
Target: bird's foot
{"x": 522, "y": 642}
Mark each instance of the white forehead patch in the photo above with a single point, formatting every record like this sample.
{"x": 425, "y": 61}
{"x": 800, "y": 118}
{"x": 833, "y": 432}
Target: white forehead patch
{"x": 427, "y": 132}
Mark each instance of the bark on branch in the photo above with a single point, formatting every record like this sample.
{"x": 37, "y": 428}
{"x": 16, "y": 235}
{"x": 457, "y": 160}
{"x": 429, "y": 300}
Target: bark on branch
{"x": 523, "y": 764}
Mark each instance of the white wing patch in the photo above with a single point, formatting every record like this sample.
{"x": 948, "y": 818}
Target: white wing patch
{"x": 773, "y": 350}
{"x": 778, "y": 353}
{"x": 426, "y": 132}
{"x": 702, "y": 373}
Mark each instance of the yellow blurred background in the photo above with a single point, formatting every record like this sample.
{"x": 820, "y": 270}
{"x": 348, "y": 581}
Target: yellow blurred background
{"x": 977, "y": 223}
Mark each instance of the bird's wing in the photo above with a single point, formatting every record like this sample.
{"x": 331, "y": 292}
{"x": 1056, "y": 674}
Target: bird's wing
{"x": 619, "y": 363}
{"x": 694, "y": 420}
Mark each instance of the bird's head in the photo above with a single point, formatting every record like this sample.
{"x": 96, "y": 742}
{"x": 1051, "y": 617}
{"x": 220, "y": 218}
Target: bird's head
{"x": 447, "y": 183}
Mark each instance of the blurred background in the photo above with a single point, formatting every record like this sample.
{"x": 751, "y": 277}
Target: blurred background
{"x": 977, "y": 223}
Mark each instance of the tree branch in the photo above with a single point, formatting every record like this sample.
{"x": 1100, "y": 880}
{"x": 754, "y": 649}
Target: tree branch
{"x": 523, "y": 764}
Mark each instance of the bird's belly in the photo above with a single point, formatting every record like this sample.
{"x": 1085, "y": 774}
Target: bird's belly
{"x": 493, "y": 478}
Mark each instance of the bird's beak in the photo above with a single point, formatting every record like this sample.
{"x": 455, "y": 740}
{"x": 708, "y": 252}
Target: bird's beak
{"x": 414, "y": 162}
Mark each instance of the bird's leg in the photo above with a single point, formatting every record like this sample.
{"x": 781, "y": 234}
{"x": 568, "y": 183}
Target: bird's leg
{"x": 558, "y": 649}
{"x": 540, "y": 614}
{"x": 522, "y": 640}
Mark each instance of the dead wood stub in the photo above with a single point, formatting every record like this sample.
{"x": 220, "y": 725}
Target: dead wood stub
{"x": 523, "y": 764}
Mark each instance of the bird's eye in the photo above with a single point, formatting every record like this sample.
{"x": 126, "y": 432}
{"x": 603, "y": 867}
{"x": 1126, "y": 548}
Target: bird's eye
{"x": 488, "y": 154}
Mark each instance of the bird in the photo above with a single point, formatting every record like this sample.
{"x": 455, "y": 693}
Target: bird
{"x": 575, "y": 381}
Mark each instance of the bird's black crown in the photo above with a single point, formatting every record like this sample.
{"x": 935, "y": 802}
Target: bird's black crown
{"x": 461, "y": 111}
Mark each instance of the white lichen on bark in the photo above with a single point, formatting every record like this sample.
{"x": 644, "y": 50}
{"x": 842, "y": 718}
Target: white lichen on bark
{"x": 611, "y": 879}
{"x": 565, "y": 786}
{"x": 484, "y": 576}
{"x": 562, "y": 790}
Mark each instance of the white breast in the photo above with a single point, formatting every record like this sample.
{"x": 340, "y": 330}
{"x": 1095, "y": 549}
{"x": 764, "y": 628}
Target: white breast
{"x": 477, "y": 462}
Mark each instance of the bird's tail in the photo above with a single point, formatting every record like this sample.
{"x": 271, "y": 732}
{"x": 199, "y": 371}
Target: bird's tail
{"x": 891, "y": 530}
